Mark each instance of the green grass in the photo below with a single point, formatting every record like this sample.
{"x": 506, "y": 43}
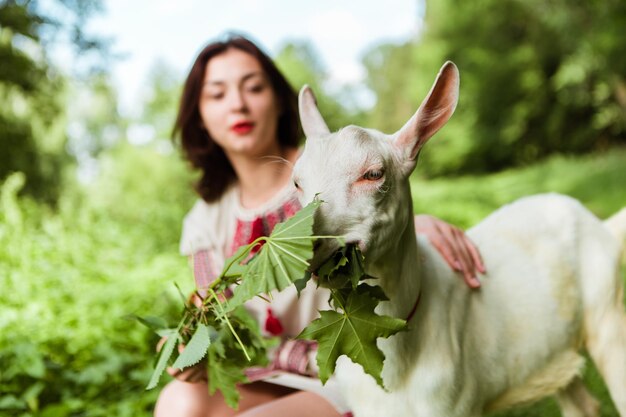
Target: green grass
{"x": 69, "y": 276}
{"x": 598, "y": 180}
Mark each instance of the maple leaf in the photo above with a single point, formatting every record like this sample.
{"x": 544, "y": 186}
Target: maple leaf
{"x": 343, "y": 268}
{"x": 283, "y": 258}
{"x": 352, "y": 332}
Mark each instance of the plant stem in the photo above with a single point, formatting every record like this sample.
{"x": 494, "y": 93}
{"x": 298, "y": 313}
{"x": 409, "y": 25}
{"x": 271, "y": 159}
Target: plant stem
{"x": 224, "y": 318}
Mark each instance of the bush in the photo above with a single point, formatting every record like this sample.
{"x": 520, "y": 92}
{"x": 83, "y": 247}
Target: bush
{"x": 70, "y": 277}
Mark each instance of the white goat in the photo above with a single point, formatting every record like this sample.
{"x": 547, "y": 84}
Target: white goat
{"x": 552, "y": 286}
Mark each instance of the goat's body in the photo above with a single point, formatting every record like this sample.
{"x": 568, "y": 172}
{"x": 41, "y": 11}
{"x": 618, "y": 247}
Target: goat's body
{"x": 552, "y": 278}
{"x": 552, "y": 285}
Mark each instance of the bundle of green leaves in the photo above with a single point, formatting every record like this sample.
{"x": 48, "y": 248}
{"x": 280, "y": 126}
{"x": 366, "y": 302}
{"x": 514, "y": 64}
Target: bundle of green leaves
{"x": 220, "y": 332}
{"x": 352, "y": 327}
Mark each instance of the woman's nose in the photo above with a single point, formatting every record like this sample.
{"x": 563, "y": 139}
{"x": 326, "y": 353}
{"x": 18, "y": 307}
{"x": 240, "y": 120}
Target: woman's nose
{"x": 237, "y": 100}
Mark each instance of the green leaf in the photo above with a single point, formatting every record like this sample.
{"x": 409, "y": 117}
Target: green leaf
{"x": 225, "y": 376}
{"x": 335, "y": 262}
{"x": 352, "y": 333}
{"x": 373, "y": 291}
{"x": 196, "y": 349}
{"x": 180, "y": 293}
{"x": 335, "y": 273}
{"x": 11, "y": 401}
{"x": 250, "y": 331}
{"x": 234, "y": 266}
{"x": 166, "y": 332}
{"x": 356, "y": 263}
{"x": 345, "y": 266}
{"x": 300, "y": 284}
{"x": 283, "y": 258}
{"x": 56, "y": 410}
{"x": 152, "y": 322}
{"x": 164, "y": 357}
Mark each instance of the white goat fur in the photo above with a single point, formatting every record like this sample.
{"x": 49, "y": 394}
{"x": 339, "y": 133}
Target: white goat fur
{"x": 552, "y": 286}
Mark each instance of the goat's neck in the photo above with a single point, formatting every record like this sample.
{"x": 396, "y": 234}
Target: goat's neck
{"x": 398, "y": 272}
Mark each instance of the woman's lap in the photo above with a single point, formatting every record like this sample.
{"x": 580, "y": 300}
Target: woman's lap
{"x": 300, "y": 403}
{"x": 182, "y": 399}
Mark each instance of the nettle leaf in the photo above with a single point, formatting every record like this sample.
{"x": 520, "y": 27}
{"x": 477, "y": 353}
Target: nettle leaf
{"x": 282, "y": 260}
{"x": 164, "y": 357}
{"x": 353, "y": 333}
{"x": 225, "y": 376}
{"x": 226, "y": 360}
{"x": 239, "y": 344}
{"x": 151, "y": 322}
{"x": 196, "y": 349}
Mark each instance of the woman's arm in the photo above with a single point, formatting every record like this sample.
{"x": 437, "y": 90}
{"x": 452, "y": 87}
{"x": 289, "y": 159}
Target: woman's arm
{"x": 454, "y": 245}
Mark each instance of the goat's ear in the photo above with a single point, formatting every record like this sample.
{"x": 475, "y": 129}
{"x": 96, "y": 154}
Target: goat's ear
{"x": 433, "y": 113}
{"x": 312, "y": 121}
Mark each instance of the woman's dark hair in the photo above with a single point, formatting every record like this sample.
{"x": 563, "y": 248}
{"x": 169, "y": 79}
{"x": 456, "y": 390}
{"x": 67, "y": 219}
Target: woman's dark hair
{"x": 198, "y": 146}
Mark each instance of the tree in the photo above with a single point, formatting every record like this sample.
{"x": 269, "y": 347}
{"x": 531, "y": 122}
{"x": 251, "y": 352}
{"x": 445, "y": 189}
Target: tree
{"x": 93, "y": 121}
{"x": 161, "y": 101}
{"x": 537, "y": 77}
{"x": 301, "y": 65}
{"x": 33, "y": 91}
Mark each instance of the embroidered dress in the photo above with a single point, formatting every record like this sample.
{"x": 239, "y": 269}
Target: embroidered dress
{"x": 212, "y": 232}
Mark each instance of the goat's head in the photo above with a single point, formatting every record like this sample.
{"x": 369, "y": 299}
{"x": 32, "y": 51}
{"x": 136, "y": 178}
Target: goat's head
{"x": 362, "y": 174}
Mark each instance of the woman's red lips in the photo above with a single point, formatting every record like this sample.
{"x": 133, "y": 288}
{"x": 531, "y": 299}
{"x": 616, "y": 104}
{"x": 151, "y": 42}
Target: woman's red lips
{"x": 242, "y": 128}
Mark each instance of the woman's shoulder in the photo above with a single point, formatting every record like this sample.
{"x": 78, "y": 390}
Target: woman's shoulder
{"x": 205, "y": 225}
{"x": 203, "y": 211}
{"x": 285, "y": 199}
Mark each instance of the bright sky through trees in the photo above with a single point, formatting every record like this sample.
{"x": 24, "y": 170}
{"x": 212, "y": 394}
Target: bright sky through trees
{"x": 146, "y": 31}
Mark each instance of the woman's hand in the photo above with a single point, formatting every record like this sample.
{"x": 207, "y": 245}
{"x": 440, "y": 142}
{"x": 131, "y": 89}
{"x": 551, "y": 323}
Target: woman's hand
{"x": 454, "y": 245}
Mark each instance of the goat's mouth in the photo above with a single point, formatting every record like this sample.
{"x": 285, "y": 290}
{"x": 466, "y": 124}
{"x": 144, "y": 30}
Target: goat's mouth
{"x": 325, "y": 249}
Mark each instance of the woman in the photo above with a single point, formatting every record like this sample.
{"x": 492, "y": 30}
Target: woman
{"x": 238, "y": 124}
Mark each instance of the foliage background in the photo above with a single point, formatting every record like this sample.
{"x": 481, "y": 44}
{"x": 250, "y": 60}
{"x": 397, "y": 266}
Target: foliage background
{"x": 91, "y": 201}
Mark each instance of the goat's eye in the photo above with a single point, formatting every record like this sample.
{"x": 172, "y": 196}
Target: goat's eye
{"x": 295, "y": 184}
{"x": 374, "y": 174}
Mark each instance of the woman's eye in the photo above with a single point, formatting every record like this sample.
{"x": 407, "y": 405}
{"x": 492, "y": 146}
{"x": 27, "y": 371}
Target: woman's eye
{"x": 256, "y": 88}
{"x": 256, "y": 85}
{"x": 214, "y": 95}
{"x": 373, "y": 174}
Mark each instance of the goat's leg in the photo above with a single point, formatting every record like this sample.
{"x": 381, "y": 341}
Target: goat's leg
{"x": 606, "y": 344}
{"x": 576, "y": 401}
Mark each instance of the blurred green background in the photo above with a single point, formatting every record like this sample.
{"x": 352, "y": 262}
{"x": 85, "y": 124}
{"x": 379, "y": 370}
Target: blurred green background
{"x": 90, "y": 220}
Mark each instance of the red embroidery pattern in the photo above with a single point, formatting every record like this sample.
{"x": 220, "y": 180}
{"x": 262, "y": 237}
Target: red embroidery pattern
{"x": 258, "y": 230}
{"x": 247, "y": 231}
{"x": 204, "y": 273}
{"x": 203, "y": 270}
{"x": 292, "y": 356}
{"x": 272, "y": 325}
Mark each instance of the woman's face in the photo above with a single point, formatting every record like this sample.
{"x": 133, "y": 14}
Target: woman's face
{"x": 238, "y": 105}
